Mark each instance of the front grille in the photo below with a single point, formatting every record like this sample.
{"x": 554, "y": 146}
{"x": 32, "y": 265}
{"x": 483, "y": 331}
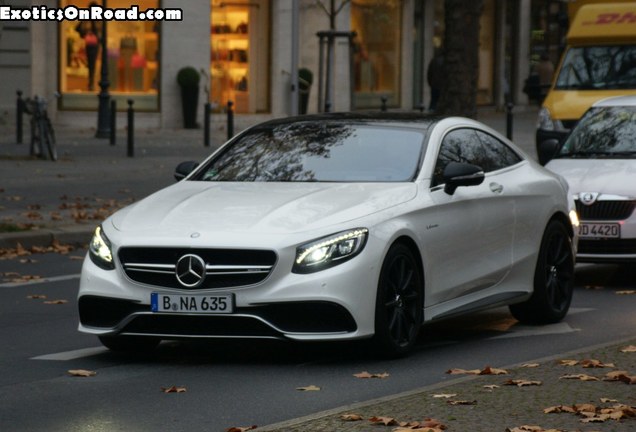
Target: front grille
{"x": 224, "y": 268}
{"x": 607, "y": 246}
{"x": 201, "y": 326}
{"x": 605, "y": 210}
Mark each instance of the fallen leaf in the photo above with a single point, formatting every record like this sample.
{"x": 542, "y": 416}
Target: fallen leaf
{"x": 308, "y": 388}
{"x": 386, "y": 421}
{"x": 445, "y": 395}
{"x": 559, "y": 409}
{"x": 629, "y": 349}
{"x": 463, "y": 372}
{"x": 526, "y": 428}
{"x": 493, "y": 371}
{"x": 627, "y": 379}
{"x": 491, "y": 386}
{"x": 351, "y": 417}
{"x": 173, "y": 389}
{"x": 366, "y": 374}
{"x": 522, "y": 383}
{"x": 56, "y": 302}
{"x": 530, "y": 365}
{"x": 626, "y": 292}
{"x": 614, "y": 375}
{"x": 608, "y": 400}
{"x": 36, "y": 296}
{"x": 461, "y": 402}
{"x": 592, "y": 363}
{"x": 568, "y": 362}
{"x": 581, "y": 377}
{"x": 241, "y": 429}
{"x": 81, "y": 373}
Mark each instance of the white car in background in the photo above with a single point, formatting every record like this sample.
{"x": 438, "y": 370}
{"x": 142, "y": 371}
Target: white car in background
{"x": 598, "y": 159}
{"x": 335, "y": 227}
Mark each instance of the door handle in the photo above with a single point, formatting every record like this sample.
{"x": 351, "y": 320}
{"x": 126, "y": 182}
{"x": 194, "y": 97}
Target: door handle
{"x": 496, "y": 187}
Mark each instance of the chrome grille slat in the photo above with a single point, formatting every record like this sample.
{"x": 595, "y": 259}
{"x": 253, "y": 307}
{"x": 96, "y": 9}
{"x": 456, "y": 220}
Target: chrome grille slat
{"x": 224, "y": 268}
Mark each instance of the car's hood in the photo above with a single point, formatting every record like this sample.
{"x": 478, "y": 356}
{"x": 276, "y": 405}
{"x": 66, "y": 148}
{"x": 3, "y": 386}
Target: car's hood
{"x": 607, "y": 176}
{"x": 258, "y": 207}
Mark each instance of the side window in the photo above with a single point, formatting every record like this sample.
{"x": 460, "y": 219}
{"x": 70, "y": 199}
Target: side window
{"x": 457, "y": 146}
{"x": 473, "y": 147}
{"x": 498, "y": 154}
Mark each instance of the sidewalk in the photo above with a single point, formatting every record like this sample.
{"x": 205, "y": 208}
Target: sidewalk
{"x": 41, "y": 200}
{"x": 586, "y": 401}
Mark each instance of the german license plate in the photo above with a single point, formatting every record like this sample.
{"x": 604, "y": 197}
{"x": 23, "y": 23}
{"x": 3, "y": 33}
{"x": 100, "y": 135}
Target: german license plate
{"x": 193, "y": 303}
{"x": 599, "y": 230}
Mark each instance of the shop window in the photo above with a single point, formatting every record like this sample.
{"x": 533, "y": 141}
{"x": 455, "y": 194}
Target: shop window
{"x": 239, "y": 55}
{"x": 133, "y": 59}
{"x": 377, "y": 52}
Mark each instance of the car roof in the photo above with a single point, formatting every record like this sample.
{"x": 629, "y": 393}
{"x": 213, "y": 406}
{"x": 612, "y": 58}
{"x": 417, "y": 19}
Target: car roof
{"x": 616, "y": 101}
{"x": 395, "y": 118}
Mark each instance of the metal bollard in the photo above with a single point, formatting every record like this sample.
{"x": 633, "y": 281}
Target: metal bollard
{"x": 230, "y": 120}
{"x": 509, "y": 107}
{"x": 131, "y": 129}
{"x": 19, "y": 113}
{"x": 383, "y": 106}
{"x": 113, "y": 121}
{"x": 421, "y": 107}
{"x": 327, "y": 106}
{"x": 207, "y": 108}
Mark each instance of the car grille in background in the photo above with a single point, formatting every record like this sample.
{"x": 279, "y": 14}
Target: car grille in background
{"x": 225, "y": 268}
{"x": 605, "y": 210}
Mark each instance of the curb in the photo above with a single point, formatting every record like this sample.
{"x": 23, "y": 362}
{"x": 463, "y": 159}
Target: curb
{"x": 73, "y": 235}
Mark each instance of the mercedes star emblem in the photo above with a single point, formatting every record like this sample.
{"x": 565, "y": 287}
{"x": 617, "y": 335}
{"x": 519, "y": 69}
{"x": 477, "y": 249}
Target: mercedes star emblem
{"x": 190, "y": 270}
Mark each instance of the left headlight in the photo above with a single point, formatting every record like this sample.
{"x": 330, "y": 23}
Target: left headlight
{"x": 329, "y": 251}
{"x": 100, "y": 251}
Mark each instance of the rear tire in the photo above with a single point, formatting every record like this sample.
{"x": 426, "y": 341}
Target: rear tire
{"x": 399, "y": 303}
{"x": 553, "y": 279}
{"x": 130, "y": 344}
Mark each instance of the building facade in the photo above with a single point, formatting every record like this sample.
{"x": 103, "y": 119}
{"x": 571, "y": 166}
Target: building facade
{"x": 247, "y": 51}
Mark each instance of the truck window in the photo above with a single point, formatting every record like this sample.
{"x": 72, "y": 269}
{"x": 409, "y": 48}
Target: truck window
{"x": 598, "y": 68}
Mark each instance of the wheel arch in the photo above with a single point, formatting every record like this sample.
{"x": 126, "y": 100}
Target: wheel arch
{"x": 412, "y": 245}
{"x": 565, "y": 220}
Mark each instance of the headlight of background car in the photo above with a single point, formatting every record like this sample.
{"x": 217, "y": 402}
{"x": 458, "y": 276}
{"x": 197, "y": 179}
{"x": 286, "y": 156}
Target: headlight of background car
{"x": 99, "y": 250}
{"x": 329, "y": 251}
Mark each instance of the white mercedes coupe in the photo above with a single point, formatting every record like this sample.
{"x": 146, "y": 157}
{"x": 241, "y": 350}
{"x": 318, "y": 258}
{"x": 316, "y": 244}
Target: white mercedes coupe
{"x": 335, "y": 227}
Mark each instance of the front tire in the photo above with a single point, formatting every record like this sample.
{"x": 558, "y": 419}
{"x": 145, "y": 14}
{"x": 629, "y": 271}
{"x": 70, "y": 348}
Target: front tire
{"x": 399, "y": 302}
{"x": 553, "y": 279}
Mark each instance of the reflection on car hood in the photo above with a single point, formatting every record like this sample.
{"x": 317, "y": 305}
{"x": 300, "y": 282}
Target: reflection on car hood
{"x": 259, "y": 207}
{"x": 609, "y": 176}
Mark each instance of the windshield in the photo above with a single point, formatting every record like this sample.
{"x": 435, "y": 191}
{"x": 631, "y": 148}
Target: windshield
{"x": 318, "y": 151}
{"x": 598, "y": 68}
{"x": 603, "y": 132}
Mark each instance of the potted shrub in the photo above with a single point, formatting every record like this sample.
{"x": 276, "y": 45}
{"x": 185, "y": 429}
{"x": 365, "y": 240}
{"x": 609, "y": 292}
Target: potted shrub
{"x": 188, "y": 79}
{"x": 305, "y": 79}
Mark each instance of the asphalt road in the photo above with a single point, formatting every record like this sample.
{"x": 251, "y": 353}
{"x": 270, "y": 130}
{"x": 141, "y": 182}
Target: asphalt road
{"x": 244, "y": 383}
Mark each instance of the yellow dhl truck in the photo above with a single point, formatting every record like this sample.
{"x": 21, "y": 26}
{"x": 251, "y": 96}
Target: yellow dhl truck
{"x": 599, "y": 62}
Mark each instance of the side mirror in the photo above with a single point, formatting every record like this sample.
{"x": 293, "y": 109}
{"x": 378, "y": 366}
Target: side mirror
{"x": 183, "y": 169}
{"x": 462, "y": 174}
{"x": 546, "y": 150}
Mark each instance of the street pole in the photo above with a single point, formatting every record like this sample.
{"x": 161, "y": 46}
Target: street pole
{"x": 103, "y": 111}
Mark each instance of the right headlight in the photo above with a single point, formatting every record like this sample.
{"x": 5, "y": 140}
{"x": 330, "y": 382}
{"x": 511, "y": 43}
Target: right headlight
{"x": 546, "y": 122}
{"x": 100, "y": 251}
{"x": 329, "y": 251}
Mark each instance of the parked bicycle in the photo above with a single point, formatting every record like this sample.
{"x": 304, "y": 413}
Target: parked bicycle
{"x": 42, "y": 133}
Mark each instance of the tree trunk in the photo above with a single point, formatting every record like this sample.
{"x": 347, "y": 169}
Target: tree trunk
{"x": 461, "y": 58}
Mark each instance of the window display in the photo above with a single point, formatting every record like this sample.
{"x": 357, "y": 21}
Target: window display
{"x": 133, "y": 52}
{"x": 239, "y": 48}
{"x": 377, "y": 54}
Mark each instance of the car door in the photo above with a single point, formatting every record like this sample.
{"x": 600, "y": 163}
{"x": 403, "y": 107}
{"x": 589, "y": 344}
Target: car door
{"x": 470, "y": 233}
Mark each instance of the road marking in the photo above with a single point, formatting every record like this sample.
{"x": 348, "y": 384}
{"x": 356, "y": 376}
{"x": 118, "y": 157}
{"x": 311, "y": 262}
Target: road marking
{"x": 40, "y": 281}
{"x": 72, "y": 355}
{"x": 525, "y": 331}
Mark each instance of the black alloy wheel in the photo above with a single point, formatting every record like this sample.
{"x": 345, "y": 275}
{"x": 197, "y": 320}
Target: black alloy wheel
{"x": 553, "y": 279}
{"x": 399, "y": 303}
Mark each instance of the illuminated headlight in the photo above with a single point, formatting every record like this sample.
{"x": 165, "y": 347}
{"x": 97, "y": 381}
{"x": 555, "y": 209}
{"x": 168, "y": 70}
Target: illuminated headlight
{"x": 99, "y": 250}
{"x": 546, "y": 122}
{"x": 329, "y": 251}
{"x": 574, "y": 218}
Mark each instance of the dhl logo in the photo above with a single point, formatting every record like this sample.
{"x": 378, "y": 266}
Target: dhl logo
{"x": 613, "y": 18}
